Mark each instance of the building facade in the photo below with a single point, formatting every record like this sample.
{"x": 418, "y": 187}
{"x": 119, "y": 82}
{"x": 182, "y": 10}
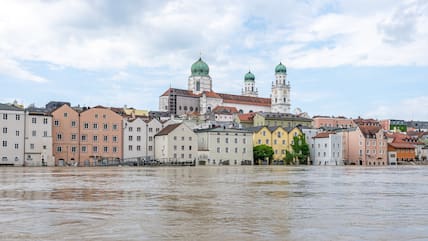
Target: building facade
{"x": 65, "y": 136}
{"x": 12, "y": 135}
{"x": 223, "y": 146}
{"x": 38, "y": 138}
{"x": 328, "y": 122}
{"x": 328, "y": 149}
{"x": 101, "y": 136}
{"x": 285, "y": 120}
{"x": 280, "y": 99}
{"x": 176, "y": 143}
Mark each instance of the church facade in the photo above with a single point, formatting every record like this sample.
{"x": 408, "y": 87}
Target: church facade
{"x": 200, "y": 97}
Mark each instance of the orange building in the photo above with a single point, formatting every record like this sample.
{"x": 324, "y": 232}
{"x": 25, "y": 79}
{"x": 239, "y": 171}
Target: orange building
{"x": 100, "y": 136}
{"x": 65, "y": 136}
{"x": 405, "y": 151}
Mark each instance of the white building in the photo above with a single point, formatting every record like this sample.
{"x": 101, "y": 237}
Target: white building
{"x": 328, "y": 149}
{"x": 222, "y": 146}
{"x": 281, "y": 91}
{"x": 38, "y": 138}
{"x": 309, "y": 136}
{"x": 200, "y": 96}
{"x": 176, "y": 143}
{"x": 11, "y": 135}
{"x": 138, "y": 138}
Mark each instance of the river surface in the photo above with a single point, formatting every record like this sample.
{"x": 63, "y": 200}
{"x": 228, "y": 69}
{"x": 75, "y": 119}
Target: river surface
{"x": 214, "y": 203}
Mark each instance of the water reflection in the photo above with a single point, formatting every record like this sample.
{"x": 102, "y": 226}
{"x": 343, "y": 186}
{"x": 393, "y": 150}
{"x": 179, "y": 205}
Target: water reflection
{"x": 210, "y": 203}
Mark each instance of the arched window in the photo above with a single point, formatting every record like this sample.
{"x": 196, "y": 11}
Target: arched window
{"x": 191, "y": 108}
{"x": 198, "y": 85}
{"x": 241, "y": 111}
{"x": 185, "y": 107}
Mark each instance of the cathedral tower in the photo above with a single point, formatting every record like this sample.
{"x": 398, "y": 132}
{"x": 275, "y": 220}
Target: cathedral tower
{"x": 249, "y": 85}
{"x": 280, "y": 91}
{"x": 199, "y": 80}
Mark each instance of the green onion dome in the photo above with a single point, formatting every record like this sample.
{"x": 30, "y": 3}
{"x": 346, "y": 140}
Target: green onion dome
{"x": 249, "y": 77}
{"x": 280, "y": 69}
{"x": 200, "y": 68}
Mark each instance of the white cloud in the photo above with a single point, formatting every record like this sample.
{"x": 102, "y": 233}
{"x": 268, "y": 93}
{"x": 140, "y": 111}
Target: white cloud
{"x": 13, "y": 69}
{"x": 409, "y": 109}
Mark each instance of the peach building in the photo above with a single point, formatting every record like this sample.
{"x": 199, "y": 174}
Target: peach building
{"x": 65, "y": 136}
{"x": 100, "y": 136}
{"x": 332, "y": 122}
{"x": 365, "y": 144}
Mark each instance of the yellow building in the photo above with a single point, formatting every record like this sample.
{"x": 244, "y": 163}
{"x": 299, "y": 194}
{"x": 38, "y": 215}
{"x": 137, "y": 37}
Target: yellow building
{"x": 279, "y": 138}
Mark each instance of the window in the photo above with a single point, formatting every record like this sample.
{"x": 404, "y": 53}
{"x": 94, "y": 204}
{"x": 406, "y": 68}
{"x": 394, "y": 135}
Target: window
{"x": 18, "y": 117}
{"x": 58, "y": 149}
{"x": 17, "y": 133}
{"x": 33, "y": 133}
{"x": 4, "y": 130}
{"x": 138, "y": 129}
{"x": 236, "y": 149}
{"x": 175, "y": 147}
{"x": 16, "y": 146}
{"x": 190, "y": 148}
{"x": 264, "y": 133}
{"x": 95, "y": 125}
{"x": 56, "y": 122}
{"x": 130, "y": 129}
{"x": 218, "y": 139}
{"x": 73, "y": 123}
{"x": 182, "y": 138}
{"x": 95, "y": 148}
{"x": 73, "y": 149}
{"x": 182, "y": 148}
{"x": 105, "y": 138}
{"x": 114, "y": 149}
{"x": 236, "y": 140}
{"x": 157, "y": 130}
{"x": 150, "y": 148}
{"x": 65, "y": 114}
{"x": 175, "y": 155}
{"x": 267, "y": 141}
{"x": 190, "y": 138}
{"x": 138, "y": 138}
{"x": 84, "y": 137}
{"x": 367, "y": 151}
{"x": 45, "y": 121}
{"x": 182, "y": 155}
{"x": 4, "y": 116}
{"x": 95, "y": 138}
{"x": 227, "y": 149}
{"x": 325, "y": 145}
{"x": 105, "y": 149}
{"x": 227, "y": 140}
{"x": 73, "y": 137}
{"x": 150, "y": 138}
{"x": 190, "y": 155}
{"x": 361, "y": 152}
{"x": 283, "y": 142}
{"x": 138, "y": 148}
{"x": 104, "y": 116}
{"x": 175, "y": 138}
{"x": 218, "y": 149}
{"x": 274, "y": 141}
{"x": 259, "y": 142}
{"x": 114, "y": 138}
{"x": 374, "y": 151}
{"x": 105, "y": 126}
{"x": 34, "y": 120}
{"x": 114, "y": 126}
{"x": 374, "y": 143}
{"x": 129, "y": 138}
{"x": 83, "y": 148}
{"x": 86, "y": 125}
{"x": 150, "y": 129}
{"x": 244, "y": 150}
{"x": 96, "y": 116}
{"x": 244, "y": 141}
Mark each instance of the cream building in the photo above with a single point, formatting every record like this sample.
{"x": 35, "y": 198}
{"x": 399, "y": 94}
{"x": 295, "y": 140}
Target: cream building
{"x": 222, "y": 146}
{"x": 38, "y": 138}
{"x": 328, "y": 149}
{"x": 11, "y": 135}
{"x": 176, "y": 143}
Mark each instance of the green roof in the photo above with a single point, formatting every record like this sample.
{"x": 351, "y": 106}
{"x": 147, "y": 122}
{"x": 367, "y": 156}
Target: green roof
{"x": 200, "y": 68}
{"x": 280, "y": 68}
{"x": 249, "y": 77}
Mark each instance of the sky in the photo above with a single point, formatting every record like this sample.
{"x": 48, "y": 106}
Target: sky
{"x": 350, "y": 58}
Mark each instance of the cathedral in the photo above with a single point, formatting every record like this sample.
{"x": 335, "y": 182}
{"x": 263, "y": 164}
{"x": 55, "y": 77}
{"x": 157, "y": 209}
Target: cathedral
{"x": 200, "y": 97}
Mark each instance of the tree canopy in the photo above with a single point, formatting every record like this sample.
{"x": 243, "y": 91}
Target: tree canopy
{"x": 262, "y": 152}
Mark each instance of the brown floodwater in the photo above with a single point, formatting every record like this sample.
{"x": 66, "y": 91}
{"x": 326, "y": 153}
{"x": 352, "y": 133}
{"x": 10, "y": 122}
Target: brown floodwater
{"x": 214, "y": 203}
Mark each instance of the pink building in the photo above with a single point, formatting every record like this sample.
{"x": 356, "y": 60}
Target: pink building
{"x": 332, "y": 122}
{"x": 100, "y": 136}
{"x": 65, "y": 136}
{"x": 365, "y": 144}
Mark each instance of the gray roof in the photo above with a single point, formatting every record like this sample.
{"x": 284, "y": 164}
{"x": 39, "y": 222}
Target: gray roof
{"x": 220, "y": 129}
{"x": 282, "y": 116}
{"x": 9, "y": 107}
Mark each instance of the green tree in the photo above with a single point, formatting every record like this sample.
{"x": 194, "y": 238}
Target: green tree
{"x": 289, "y": 158}
{"x": 300, "y": 149}
{"x": 262, "y": 152}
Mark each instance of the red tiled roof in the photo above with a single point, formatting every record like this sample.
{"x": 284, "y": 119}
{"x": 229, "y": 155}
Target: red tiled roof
{"x": 168, "y": 129}
{"x": 211, "y": 94}
{"x": 246, "y": 117}
{"x": 225, "y": 109}
{"x": 323, "y": 134}
{"x": 370, "y": 130}
{"x": 245, "y": 100}
{"x": 402, "y": 145}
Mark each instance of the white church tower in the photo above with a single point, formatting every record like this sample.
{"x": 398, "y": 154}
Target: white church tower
{"x": 199, "y": 80}
{"x": 280, "y": 91}
{"x": 249, "y": 85}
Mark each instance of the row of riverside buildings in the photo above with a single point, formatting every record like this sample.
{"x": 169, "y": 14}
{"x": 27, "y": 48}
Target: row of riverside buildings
{"x": 200, "y": 126}
{"x": 62, "y": 135}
